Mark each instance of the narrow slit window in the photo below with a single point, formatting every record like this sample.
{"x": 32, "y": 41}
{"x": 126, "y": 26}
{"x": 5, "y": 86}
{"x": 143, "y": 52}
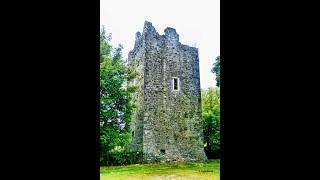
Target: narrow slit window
{"x": 175, "y": 84}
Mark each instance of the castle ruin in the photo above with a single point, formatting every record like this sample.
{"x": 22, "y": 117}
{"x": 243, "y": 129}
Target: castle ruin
{"x": 167, "y": 121}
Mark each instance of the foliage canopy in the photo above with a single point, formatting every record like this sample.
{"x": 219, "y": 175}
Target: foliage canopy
{"x": 211, "y": 119}
{"x": 216, "y": 70}
{"x": 115, "y": 98}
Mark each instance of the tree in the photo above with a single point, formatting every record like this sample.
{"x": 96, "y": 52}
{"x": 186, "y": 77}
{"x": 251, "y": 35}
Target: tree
{"x": 115, "y": 98}
{"x": 105, "y": 47}
{"x": 211, "y": 120}
{"x": 216, "y": 70}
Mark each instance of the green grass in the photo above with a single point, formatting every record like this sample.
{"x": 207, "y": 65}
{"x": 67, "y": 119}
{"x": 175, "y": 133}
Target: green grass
{"x": 175, "y": 170}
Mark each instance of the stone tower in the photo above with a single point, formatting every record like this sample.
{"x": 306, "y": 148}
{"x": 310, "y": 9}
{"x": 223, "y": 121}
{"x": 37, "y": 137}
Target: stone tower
{"x": 167, "y": 122}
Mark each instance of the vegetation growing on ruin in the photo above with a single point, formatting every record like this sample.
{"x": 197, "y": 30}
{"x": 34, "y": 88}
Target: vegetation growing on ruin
{"x": 116, "y": 108}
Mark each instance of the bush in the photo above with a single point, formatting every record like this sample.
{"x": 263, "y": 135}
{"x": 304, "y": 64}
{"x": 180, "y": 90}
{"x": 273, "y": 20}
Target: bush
{"x": 121, "y": 158}
{"x": 211, "y": 121}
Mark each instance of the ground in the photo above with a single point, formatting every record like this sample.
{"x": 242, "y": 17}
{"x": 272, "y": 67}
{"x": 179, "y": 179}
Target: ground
{"x": 173, "y": 171}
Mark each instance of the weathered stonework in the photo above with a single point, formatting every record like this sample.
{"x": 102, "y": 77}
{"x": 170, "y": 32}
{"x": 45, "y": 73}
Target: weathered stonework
{"x": 167, "y": 122}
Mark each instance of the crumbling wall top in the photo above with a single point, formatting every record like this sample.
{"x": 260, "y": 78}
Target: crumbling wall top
{"x": 149, "y": 29}
{"x": 149, "y": 33}
{"x": 171, "y": 34}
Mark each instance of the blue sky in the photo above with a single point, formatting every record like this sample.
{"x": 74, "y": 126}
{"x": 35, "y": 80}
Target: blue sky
{"x": 196, "y": 21}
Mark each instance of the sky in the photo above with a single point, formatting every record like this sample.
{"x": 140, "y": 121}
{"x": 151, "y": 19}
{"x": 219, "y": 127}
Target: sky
{"x": 196, "y": 21}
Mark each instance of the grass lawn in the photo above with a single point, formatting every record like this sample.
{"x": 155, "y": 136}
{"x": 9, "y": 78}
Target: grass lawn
{"x": 159, "y": 171}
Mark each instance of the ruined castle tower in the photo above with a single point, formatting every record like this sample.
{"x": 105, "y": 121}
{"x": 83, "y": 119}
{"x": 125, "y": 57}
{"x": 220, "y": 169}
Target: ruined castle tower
{"x": 167, "y": 122}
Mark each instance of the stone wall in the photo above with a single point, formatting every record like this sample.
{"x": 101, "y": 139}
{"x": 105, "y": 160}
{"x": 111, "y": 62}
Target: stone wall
{"x": 167, "y": 123}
